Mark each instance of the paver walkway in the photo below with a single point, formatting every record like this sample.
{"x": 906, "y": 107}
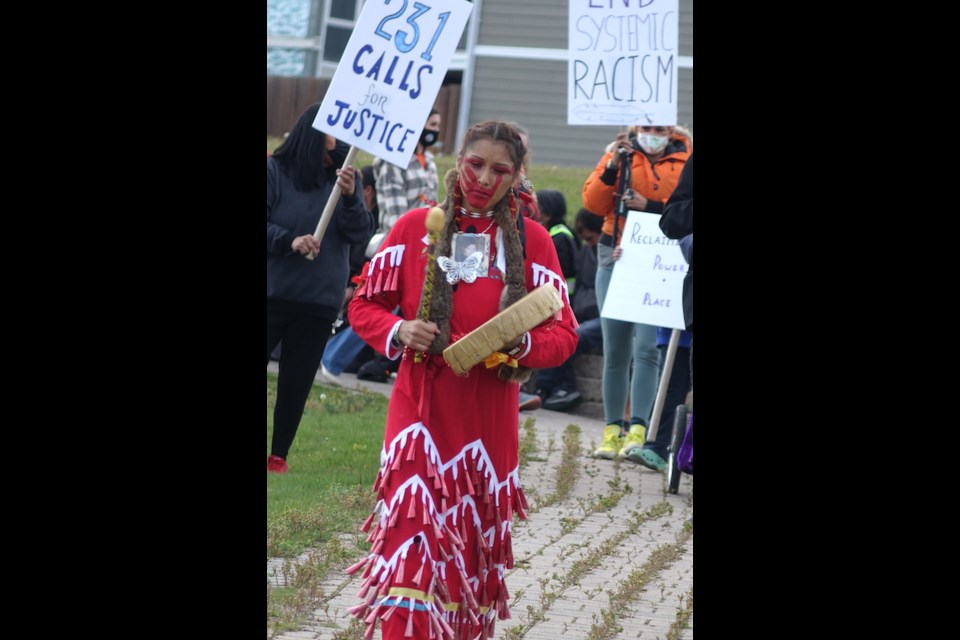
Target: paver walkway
{"x": 614, "y": 548}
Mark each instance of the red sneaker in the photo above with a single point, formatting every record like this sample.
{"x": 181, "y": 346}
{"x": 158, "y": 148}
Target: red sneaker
{"x": 276, "y": 464}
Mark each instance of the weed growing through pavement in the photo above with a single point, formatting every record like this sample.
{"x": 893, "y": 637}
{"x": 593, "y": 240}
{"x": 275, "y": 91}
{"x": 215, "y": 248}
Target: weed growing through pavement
{"x": 568, "y": 470}
{"x": 293, "y": 599}
{"x": 353, "y": 632}
{"x": 582, "y": 567}
{"x": 513, "y": 633}
{"x": 569, "y": 524}
{"x": 683, "y": 617}
{"x": 528, "y": 443}
{"x": 630, "y": 588}
{"x": 551, "y": 444}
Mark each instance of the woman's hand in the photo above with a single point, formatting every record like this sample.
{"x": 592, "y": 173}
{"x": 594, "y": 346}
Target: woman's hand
{"x": 347, "y": 180}
{"x": 417, "y": 334}
{"x": 617, "y": 252}
{"x": 305, "y": 245}
{"x": 634, "y": 200}
{"x": 623, "y": 143}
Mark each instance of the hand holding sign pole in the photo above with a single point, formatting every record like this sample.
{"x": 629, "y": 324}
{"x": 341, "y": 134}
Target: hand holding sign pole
{"x": 331, "y": 204}
{"x": 623, "y": 185}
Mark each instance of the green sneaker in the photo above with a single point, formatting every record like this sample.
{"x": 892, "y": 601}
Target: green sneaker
{"x": 612, "y": 441}
{"x": 635, "y": 439}
{"x": 648, "y": 458}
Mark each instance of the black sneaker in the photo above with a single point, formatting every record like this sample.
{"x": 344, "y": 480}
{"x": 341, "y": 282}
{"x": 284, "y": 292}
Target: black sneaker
{"x": 374, "y": 371}
{"x": 561, "y": 400}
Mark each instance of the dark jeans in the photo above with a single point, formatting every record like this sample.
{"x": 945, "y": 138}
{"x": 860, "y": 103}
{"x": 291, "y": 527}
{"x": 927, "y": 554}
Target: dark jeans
{"x": 342, "y": 349}
{"x": 562, "y": 378}
{"x": 304, "y": 329}
{"x": 677, "y": 389}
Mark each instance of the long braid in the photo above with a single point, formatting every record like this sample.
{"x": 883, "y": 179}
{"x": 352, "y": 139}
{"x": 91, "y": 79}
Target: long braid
{"x": 441, "y": 307}
{"x": 515, "y": 278}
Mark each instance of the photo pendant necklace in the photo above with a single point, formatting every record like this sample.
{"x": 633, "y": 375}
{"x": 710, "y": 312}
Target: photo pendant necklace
{"x": 470, "y": 252}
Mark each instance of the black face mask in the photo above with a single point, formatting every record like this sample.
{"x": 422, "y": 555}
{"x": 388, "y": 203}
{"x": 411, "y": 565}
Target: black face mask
{"x": 429, "y": 138}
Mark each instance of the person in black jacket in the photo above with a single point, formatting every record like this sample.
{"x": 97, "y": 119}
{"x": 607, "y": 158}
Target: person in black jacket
{"x": 677, "y": 222}
{"x": 306, "y": 278}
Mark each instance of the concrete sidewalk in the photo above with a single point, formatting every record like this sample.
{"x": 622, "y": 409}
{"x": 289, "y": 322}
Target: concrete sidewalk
{"x": 611, "y": 550}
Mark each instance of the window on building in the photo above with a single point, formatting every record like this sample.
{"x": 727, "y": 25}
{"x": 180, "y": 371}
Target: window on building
{"x": 343, "y": 9}
{"x": 335, "y": 43}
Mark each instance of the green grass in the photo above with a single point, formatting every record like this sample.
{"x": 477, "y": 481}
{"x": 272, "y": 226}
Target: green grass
{"x": 567, "y": 180}
{"x": 333, "y": 464}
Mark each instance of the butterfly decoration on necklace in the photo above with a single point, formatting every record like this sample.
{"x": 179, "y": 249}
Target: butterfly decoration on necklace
{"x": 457, "y": 271}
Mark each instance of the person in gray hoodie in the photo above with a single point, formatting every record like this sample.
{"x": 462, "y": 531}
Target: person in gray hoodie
{"x": 306, "y": 278}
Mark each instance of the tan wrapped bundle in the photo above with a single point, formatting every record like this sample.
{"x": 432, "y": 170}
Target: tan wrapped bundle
{"x": 503, "y": 328}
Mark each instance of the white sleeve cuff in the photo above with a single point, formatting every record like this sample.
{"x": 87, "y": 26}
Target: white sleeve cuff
{"x": 392, "y": 353}
{"x": 526, "y": 340}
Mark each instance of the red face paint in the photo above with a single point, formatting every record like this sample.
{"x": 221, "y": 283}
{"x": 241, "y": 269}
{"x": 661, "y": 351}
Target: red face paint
{"x": 478, "y": 197}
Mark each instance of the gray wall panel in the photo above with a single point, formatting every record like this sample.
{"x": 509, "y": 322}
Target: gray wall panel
{"x": 686, "y": 27}
{"x": 685, "y": 98}
{"x": 526, "y": 23}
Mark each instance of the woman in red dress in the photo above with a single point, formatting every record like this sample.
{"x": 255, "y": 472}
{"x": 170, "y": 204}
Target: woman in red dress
{"x": 448, "y": 484}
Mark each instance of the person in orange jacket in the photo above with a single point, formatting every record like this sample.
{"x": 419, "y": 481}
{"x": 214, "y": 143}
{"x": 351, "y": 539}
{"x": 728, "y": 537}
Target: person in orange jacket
{"x": 656, "y": 155}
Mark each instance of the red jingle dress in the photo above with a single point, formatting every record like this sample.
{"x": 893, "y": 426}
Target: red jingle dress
{"x": 448, "y": 484}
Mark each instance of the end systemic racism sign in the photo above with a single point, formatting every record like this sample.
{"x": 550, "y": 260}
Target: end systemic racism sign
{"x": 622, "y": 67}
{"x": 390, "y": 73}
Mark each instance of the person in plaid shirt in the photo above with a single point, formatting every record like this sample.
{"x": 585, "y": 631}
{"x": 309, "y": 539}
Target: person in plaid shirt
{"x": 400, "y": 190}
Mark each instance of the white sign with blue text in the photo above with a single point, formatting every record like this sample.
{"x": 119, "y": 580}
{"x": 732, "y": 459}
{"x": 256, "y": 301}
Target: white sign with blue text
{"x": 390, "y": 73}
{"x": 622, "y": 66}
{"x": 647, "y": 282}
